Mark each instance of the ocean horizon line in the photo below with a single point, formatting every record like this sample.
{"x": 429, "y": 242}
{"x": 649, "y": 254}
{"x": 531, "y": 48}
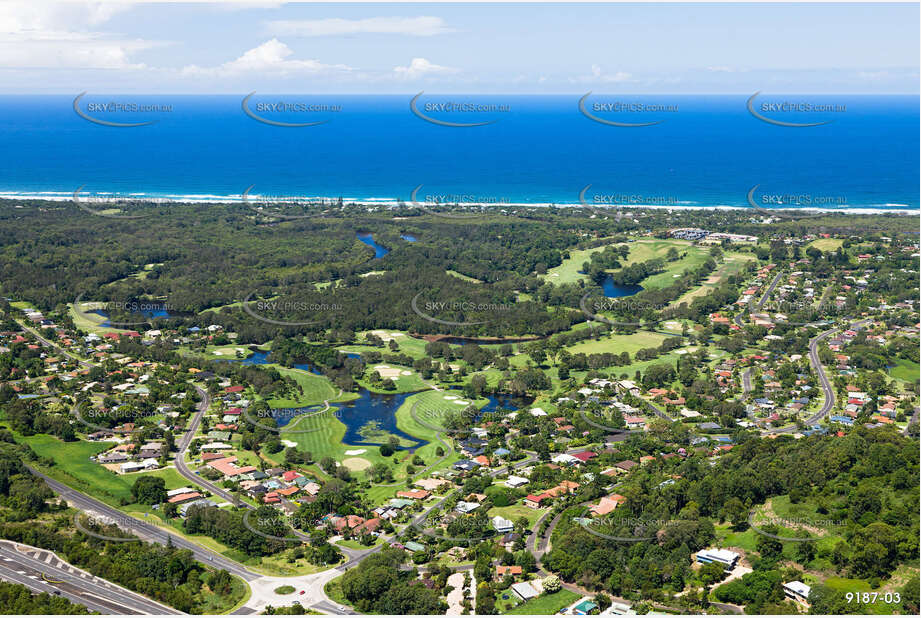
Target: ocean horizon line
{"x": 253, "y": 199}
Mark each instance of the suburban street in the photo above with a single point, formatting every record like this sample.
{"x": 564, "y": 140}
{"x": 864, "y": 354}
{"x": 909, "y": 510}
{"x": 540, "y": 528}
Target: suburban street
{"x": 183, "y": 446}
{"x": 827, "y": 389}
{"x": 820, "y": 370}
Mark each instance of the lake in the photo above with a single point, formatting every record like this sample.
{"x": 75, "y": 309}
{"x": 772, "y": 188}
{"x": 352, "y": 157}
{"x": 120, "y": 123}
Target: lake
{"x": 368, "y": 239}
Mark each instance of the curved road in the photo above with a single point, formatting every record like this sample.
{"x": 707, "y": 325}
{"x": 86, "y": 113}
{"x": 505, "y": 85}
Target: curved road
{"x": 816, "y": 364}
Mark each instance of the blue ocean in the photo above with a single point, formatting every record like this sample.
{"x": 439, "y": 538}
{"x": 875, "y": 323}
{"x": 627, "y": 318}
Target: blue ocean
{"x": 701, "y": 151}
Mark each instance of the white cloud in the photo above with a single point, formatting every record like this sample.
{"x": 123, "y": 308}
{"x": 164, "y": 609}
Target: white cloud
{"x": 420, "y": 67}
{"x": 270, "y": 57}
{"x": 599, "y": 76}
{"x": 411, "y": 26}
{"x": 62, "y": 36}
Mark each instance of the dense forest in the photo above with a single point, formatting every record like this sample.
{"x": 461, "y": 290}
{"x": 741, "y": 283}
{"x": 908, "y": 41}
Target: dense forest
{"x": 317, "y": 271}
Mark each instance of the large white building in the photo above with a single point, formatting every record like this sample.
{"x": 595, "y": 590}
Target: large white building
{"x": 721, "y": 556}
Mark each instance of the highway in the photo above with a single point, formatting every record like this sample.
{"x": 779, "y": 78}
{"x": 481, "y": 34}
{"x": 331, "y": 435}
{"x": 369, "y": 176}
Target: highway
{"x": 41, "y": 570}
{"x": 142, "y": 529}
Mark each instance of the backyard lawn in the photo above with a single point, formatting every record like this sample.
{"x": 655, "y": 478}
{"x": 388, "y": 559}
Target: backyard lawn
{"x": 545, "y": 604}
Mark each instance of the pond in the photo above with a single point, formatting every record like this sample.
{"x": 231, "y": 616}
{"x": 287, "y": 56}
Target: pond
{"x": 408, "y": 237}
{"x": 368, "y": 239}
{"x": 376, "y": 409}
{"x": 617, "y": 290}
{"x": 149, "y": 310}
{"x": 260, "y": 357}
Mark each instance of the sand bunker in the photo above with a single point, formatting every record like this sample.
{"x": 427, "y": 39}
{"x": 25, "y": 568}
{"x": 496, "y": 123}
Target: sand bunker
{"x": 450, "y": 397}
{"x": 356, "y": 463}
{"x": 461, "y": 402}
{"x": 357, "y": 451}
{"x": 228, "y": 351}
{"x": 385, "y": 335}
{"x": 387, "y": 371}
{"x": 289, "y": 443}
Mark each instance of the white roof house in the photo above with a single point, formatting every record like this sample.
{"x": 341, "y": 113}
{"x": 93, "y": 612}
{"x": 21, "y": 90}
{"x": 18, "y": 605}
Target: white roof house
{"x": 524, "y": 591}
{"x": 181, "y": 490}
{"x": 502, "y": 525}
{"x": 216, "y": 446}
{"x": 565, "y": 458}
{"x": 797, "y": 590}
{"x": 516, "y": 481}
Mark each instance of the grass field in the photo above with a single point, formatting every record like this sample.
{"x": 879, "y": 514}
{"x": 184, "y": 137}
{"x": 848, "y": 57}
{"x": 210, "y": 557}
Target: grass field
{"x": 844, "y": 585}
{"x": 514, "y": 511}
{"x": 618, "y": 343}
{"x": 733, "y": 262}
{"x": 316, "y": 390}
{"x": 75, "y": 469}
{"x": 640, "y": 251}
{"x": 568, "y": 271}
{"x": 827, "y": 244}
{"x": 546, "y": 604}
{"x": 454, "y": 273}
{"x": 644, "y": 250}
{"x": 90, "y": 322}
{"x": 907, "y": 371}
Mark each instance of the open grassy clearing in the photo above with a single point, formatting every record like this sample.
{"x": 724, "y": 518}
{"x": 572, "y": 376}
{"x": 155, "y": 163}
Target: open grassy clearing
{"x": 75, "y": 469}
{"x": 545, "y": 604}
{"x": 640, "y": 251}
{"x": 90, "y": 322}
{"x": 464, "y": 277}
{"x": 827, "y": 244}
{"x": 316, "y": 390}
{"x": 732, "y": 263}
{"x": 618, "y": 343}
{"x": 568, "y": 271}
{"x": 513, "y": 511}
{"x": 907, "y": 371}
{"x": 644, "y": 250}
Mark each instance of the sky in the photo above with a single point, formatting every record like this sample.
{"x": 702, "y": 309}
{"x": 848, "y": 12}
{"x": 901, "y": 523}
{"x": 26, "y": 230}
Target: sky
{"x": 179, "y": 48}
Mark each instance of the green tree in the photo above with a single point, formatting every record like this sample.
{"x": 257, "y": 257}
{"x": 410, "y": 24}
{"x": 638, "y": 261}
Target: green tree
{"x": 149, "y": 490}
